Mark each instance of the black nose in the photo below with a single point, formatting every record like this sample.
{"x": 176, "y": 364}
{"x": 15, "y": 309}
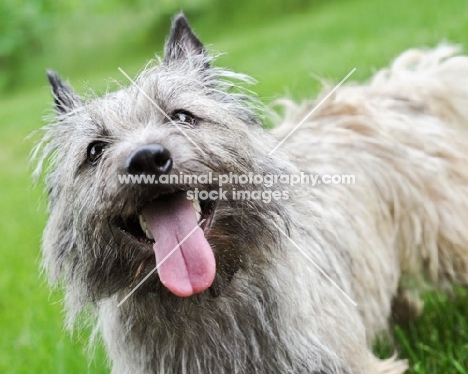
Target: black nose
{"x": 149, "y": 159}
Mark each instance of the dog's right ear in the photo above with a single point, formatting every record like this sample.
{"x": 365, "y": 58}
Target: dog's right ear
{"x": 64, "y": 97}
{"x": 182, "y": 42}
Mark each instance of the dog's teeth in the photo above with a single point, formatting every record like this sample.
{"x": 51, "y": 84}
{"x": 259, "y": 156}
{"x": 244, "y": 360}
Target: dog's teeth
{"x": 148, "y": 234}
{"x": 196, "y": 205}
{"x": 142, "y": 223}
{"x": 141, "y": 218}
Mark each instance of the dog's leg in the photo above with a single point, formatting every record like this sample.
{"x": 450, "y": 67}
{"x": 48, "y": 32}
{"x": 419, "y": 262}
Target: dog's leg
{"x": 391, "y": 366}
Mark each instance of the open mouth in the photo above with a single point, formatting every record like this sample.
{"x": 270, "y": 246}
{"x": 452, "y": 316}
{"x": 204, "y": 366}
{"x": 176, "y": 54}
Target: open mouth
{"x": 135, "y": 226}
{"x": 175, "y": 226}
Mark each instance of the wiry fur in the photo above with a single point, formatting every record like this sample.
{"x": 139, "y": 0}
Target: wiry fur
{"x": 270, "y": 310}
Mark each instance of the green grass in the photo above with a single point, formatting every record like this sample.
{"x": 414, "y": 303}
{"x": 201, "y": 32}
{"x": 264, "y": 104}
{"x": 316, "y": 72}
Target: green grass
{"x": 438, "y": 341}
{"x": 284, "y": 47}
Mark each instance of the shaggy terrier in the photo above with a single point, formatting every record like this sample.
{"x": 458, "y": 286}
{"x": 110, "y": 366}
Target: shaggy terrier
{"x": 203, "y": 243}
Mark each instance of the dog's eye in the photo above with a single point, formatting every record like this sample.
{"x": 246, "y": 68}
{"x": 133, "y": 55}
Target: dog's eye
{"x": 182, "y": 116}
{"x": 95, "y": 151}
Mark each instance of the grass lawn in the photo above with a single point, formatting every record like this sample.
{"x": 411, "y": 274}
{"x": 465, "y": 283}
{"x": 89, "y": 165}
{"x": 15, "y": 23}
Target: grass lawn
{"x": 285, "y": 46}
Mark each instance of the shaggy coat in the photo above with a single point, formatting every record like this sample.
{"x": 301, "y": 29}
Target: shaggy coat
{"x": 303, "y": 284}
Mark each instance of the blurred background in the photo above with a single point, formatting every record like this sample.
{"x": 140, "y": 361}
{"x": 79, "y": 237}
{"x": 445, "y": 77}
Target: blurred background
{"x": 287, "y": 45}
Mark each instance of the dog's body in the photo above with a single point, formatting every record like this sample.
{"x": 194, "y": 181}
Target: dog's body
{"x": 280, "y": 299}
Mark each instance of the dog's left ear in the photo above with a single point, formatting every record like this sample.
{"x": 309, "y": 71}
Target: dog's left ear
{"x": 182, "y": 42}
{"x": 64, "y": 97}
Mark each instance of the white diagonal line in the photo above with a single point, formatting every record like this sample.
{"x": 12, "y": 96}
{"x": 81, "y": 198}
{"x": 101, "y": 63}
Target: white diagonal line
{"x": 312, "y": 111}
{"x": 162, "y": 111}
{"x": 316, "y": 266}
{"x": 162, "y": 262}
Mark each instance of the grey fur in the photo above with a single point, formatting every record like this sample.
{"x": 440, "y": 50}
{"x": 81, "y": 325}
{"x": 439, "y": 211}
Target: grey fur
{"x": 269, "y": 310}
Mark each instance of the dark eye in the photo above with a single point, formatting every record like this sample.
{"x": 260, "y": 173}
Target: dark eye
{"x": 95, "y": 151}
{"x": 182, "y": 116}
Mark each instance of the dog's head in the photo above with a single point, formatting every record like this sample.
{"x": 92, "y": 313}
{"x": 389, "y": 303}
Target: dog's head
{"x": 184, "y": 124}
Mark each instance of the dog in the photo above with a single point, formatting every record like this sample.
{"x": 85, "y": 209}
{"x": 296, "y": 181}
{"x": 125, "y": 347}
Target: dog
{"x": 269, "y": 275}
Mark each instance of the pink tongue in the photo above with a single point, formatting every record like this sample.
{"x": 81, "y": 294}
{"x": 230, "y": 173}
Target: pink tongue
{"x": 191, "y": 267}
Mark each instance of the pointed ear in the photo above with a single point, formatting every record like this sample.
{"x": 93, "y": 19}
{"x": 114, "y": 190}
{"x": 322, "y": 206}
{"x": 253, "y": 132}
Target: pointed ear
{"x": 64, "y": 97}
{"x": 182, "y": 42}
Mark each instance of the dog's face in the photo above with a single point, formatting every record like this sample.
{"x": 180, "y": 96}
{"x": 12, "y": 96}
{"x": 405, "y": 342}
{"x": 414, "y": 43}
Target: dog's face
{"x": 180, "y": 117}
